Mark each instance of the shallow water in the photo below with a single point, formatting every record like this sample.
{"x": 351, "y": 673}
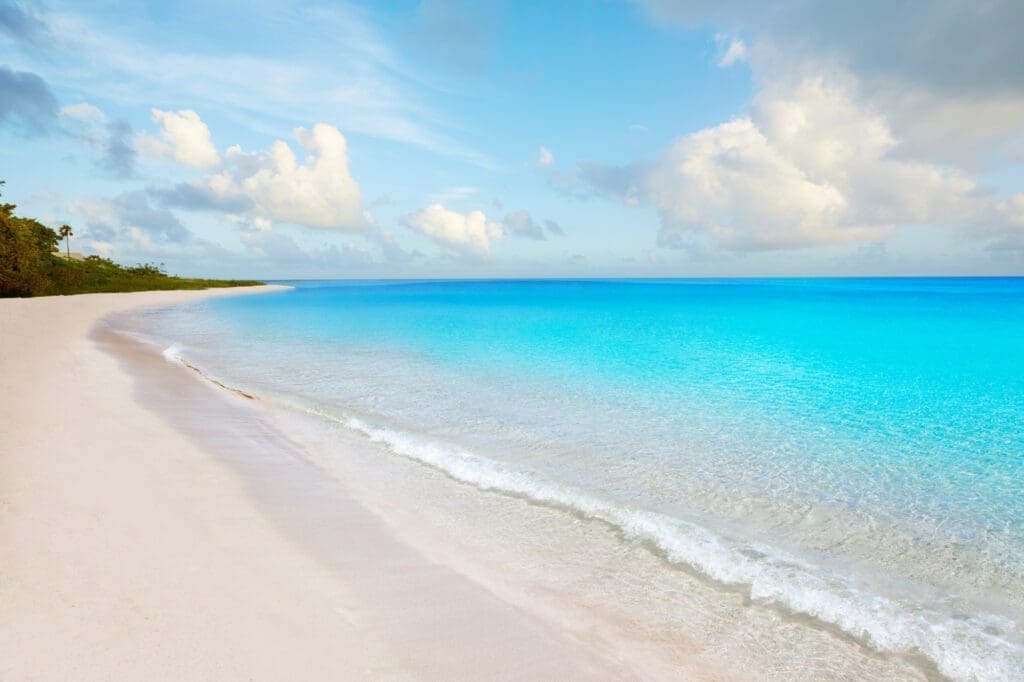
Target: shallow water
{"x": 849, "y": 451}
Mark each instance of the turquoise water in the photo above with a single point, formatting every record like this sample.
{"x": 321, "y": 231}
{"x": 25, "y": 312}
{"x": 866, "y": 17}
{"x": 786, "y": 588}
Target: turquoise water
{"x": 849, "y": 449}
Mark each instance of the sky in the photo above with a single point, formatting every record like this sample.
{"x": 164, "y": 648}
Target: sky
{"x": 655, "y": 138}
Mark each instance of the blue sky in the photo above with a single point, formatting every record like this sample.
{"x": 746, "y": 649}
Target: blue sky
{"x": 455, "y": 139}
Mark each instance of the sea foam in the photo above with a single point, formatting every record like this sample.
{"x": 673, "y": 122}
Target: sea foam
{"x": 962, "y": 647}
{"x": 172, "y": 353}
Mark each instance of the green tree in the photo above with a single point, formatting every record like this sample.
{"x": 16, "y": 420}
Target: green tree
{"x": 26, "y": 254}
{"x": 65, "y": 233}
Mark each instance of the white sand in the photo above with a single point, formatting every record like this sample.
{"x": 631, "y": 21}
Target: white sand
{"x": 132, "y": 547}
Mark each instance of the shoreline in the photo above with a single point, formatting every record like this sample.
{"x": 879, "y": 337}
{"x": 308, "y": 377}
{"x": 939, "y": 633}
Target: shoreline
{"x": 576, "y": 572}
{"x": 141, "y": 537}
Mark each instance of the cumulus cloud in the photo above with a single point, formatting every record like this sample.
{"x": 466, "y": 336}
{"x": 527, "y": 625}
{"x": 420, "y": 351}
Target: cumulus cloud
{"x": 864, "y": 122}
{"x": 808, "y": 166}
{"x": 467, "y": 234}
{"x": 545, "y": 157}
{"x": 26, "y": 101}
{"x": 183, "y": 138}
{"x": 947, "y": 78}
{"x": 275, "y": 186}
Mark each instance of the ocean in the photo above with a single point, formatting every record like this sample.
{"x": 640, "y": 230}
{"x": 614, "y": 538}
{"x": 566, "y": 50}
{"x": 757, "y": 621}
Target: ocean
{"x": 846, "y": 452}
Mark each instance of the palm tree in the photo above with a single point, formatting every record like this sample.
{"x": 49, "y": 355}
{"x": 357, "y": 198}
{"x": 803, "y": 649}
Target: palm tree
{"x": 65, "y": 233}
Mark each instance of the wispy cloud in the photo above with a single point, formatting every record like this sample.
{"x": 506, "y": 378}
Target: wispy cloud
{"x": 361, "y": 86}
{"x": 451, "y": 194}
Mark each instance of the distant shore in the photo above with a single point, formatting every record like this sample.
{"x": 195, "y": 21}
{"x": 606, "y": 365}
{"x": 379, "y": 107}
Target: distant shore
{"x": 138, "y": 539}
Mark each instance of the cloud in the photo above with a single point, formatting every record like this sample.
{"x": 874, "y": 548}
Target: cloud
{"x": 83, "y": 111}
{"x": 130, "y": 229}
{"x": 112, "y": 141}
{"x": 734, "y": 50}
{"x": 18, "y": 24}
{"x": 135, "y": 211}
{"x": 554, "y": 228}
{"x": 118, "y": 150}
{"x": 273, "y": 185}
{"x": 26, "y": 101}
{"x": 197, "y": 196}
{"x": 183, "y": 138}
{"x": 521, "y": 224}
{"x": 338, "y": 67}
{"x": 282, "y": 253}
{"x": 545, "y": 157}
{"x": 453, "y": 194}
{"x": 938, "y": 48}
{"x": 947, "y": 78}
{"x": 808, "y": 166}
{"x": 128, "y": 222}
{"x": 465, "y": 234}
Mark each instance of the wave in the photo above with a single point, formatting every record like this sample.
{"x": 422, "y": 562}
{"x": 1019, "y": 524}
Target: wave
{"x": 173, "y": 354}
{"x": 961, "y": 646}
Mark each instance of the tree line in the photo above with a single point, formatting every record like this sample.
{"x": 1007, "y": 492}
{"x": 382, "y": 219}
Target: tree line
{"x": 30, "y": 265}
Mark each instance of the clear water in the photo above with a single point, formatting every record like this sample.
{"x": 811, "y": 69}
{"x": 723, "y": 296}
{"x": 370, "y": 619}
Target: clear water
{"x": 850, "y": 450}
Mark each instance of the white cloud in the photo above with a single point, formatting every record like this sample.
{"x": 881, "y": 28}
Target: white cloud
{"x": 183, "y": 138}
{"x": 83, "y": 112}
{"x": 947, "y": 96}
{"x": 340, "y": 67}
{"x": 808, "y": 166}
{"x": 467, "y": 234}
{"x": 453, "y": 194}
{"x": 735, "y": 50}
{"x": 272, "y": 185}
{"x": 545, "y": 157}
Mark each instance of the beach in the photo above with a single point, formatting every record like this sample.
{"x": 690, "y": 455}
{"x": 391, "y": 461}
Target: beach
{"x": 366, "y": 480}
{"x": 132, "y": 549}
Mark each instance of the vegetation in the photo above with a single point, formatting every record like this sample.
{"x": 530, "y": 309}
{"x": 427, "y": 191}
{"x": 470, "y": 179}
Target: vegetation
{"x": 30, "y": 265}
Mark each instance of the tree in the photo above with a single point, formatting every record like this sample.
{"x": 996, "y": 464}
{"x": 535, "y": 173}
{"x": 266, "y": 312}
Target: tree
{"x": 26, "y": 248}
{"x": 65, "y": 233}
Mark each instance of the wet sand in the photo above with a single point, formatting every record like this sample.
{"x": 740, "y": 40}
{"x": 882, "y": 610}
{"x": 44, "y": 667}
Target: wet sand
{"x": 154, "y": 527}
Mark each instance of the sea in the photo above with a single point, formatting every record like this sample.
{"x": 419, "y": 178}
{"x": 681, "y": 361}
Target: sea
{"x": 846, "y": 455}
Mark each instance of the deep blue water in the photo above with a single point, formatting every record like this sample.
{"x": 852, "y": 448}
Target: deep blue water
{"x": 871, "y": 430}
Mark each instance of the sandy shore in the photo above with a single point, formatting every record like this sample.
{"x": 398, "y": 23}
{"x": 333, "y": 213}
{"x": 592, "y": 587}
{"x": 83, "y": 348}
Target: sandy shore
{"x": 152, "y": 527}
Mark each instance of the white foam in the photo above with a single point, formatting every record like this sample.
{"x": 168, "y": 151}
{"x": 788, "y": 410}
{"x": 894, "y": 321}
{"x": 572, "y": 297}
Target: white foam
{"x": 961, "y": 648}
{"x": 172, "y": 353}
